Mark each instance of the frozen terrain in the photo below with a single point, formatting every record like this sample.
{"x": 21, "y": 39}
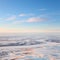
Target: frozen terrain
{"x": 30, "y": 46}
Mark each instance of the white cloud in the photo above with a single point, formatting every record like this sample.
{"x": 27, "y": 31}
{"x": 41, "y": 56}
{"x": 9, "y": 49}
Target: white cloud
{"x": 26, "y": 14}
{"x": 22, "y": 15}
{"x": 35, "y": 19}
{"x": 30, "y": 20}
{"x": 11, "y": 18}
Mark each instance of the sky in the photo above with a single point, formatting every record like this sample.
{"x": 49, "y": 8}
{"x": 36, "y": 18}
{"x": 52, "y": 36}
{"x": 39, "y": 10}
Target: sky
{"x": 29, "y": 16}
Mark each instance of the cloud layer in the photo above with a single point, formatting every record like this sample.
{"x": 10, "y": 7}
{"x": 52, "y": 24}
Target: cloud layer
{"x": 30, "y": 20}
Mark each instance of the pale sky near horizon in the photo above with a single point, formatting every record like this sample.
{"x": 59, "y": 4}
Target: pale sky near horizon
{"x": 29, "y": 16}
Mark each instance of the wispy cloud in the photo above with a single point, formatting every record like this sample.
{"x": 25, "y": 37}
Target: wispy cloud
{"x": 30, "y": 20}
{"x": 22, "y": 14}
{"x": 11, "y": 18}
{"x": 35, "y": 19}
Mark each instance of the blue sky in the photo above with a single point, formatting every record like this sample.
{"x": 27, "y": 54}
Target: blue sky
{"x": 29, "y": 15}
